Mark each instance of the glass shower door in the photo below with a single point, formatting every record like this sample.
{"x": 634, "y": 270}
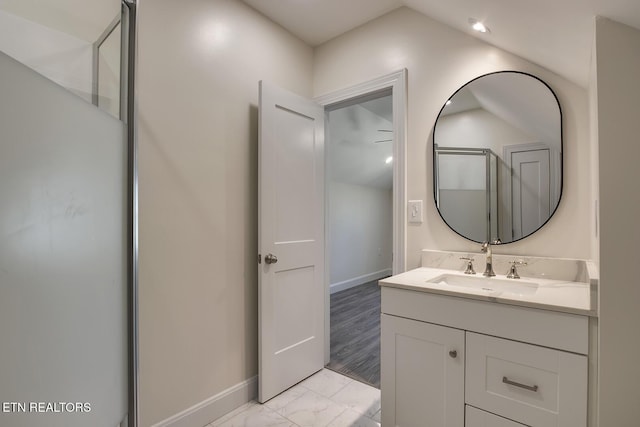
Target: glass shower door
{"x": 466, "y": 182}
{"x": 64, "y": 238}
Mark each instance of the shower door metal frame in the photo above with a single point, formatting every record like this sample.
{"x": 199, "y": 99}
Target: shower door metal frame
{"x": 96, "y": 61}
{"x": 460, "y": 151}
{"x": 128, "y": 114}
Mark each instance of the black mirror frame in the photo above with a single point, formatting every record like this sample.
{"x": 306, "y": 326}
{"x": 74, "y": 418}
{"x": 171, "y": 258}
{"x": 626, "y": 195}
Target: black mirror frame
{"x": 433, "y": 151}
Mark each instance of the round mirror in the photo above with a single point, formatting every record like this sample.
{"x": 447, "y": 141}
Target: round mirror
{"x": 497, "y": 153}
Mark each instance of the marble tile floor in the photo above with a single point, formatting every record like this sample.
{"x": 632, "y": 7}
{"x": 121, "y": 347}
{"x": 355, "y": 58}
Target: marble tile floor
{"x": 326, "y": 399}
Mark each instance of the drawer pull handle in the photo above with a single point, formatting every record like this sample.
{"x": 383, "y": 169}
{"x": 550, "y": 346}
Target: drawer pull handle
{"x": 453, "y": 354}
{"x": 524, "y": 386}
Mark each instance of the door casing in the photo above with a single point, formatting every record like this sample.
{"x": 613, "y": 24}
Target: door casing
{"x": 397, "y": 83}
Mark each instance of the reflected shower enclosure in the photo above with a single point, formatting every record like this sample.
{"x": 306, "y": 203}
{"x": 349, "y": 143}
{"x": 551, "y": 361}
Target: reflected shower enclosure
{"x": 467, "y": 191}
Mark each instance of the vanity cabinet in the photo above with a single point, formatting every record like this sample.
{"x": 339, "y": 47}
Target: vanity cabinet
{"x": 453, "y": 362}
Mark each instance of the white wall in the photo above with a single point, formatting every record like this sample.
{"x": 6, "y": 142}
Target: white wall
{"x": 63, "y": 58}
{"x": 360, "y": 221}
{"x": 618, "y": 110}
{"x": 439, "y": 60}
{"x": 199, "y": 65}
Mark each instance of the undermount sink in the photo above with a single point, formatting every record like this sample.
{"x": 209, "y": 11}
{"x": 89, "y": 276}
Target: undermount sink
{"x": 490, "y": 285}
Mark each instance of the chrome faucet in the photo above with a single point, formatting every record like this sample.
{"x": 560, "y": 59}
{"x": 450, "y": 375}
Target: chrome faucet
{"x": 469, "y": 269}
{"x": 486, "y": 247}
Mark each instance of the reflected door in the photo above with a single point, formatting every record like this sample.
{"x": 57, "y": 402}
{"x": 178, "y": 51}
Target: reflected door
{"x": 530, "y": 191}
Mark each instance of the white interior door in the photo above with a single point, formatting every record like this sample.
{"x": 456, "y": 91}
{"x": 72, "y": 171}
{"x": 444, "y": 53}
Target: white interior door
{"x": 291, "y": 239}
{"x": 531, "y": 192}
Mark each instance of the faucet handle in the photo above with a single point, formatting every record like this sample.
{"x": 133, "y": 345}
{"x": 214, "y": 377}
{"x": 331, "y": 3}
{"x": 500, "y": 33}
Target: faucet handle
{"x": 513, "y": 272}
{"x": 469, "y": 269}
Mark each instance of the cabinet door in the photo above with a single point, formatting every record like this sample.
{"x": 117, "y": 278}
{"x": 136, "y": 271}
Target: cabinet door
{"x": 422, "y": 374}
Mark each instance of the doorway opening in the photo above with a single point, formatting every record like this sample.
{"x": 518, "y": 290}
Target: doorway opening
{"x": 364, "y": 217}
{"x": 359, "y": 141}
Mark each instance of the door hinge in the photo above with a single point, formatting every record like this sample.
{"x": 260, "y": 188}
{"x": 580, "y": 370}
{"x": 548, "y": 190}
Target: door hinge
{"x": 259, "y": 259}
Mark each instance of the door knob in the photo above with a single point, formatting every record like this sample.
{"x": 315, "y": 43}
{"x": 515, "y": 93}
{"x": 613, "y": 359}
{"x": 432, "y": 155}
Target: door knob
{"x": 270, "y": 259}
{"x": 453, "y": 354}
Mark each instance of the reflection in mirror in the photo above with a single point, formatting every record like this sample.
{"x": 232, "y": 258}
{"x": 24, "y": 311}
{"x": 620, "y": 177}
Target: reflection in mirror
{"x": 498, "y": 157}
{"x": 466, "y": 177}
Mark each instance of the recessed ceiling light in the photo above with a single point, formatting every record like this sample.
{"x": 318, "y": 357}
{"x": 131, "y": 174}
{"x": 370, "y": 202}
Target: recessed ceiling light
{"x": 478, "y": 26}
{"x": 388, "y": 160}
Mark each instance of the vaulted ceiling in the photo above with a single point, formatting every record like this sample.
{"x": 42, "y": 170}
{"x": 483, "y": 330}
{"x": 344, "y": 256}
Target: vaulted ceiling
{"x": 360, "y": 143}
{"x": 557, "y": 34}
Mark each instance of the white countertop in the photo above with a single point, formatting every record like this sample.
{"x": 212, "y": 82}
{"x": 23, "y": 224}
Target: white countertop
{"x": 557, "y": 295}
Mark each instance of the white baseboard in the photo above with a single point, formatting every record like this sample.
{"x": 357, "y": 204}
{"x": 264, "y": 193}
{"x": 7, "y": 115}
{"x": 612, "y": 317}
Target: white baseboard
{"x": 360, "y": 280}
{"x": 211, "y": 409}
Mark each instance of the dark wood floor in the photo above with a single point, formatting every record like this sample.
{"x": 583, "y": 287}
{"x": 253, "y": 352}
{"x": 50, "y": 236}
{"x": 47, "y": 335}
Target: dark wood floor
{"x": 355, "y": 333}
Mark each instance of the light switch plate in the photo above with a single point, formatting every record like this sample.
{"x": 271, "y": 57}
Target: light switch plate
{"x": 414, "y": 211}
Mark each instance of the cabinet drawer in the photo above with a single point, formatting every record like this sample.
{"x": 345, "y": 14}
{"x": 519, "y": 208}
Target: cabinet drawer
{"x": 474, "y": 417}
{"x": 534, "y": 385}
